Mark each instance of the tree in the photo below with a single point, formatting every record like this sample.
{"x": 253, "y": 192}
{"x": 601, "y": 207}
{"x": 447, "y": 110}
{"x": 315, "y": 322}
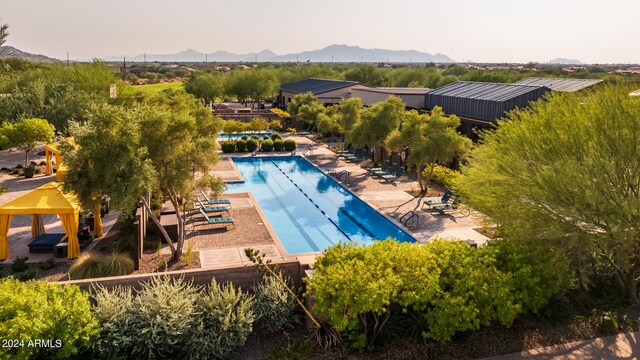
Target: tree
{"x": 3, "y": 33}
{"x": 564, "y": 173}
{"x": 430, "y": 139}
{"x": 251, "y": 86}
{"x": 376, "y": 123}
{"x": 258, "y": 124}
{"x": 26, "y": 134}
{"x": 367, "y": 75}
{"x": 232, "y": 126}
{"x": 306, "y": 108}
{"x": 204, "y": 86}
{"x": 349, "y": 112}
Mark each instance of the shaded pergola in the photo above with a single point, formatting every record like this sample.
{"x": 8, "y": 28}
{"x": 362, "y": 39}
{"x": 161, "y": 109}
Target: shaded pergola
{"x": 51, "y": 151}
{"x": 47, "y": 199}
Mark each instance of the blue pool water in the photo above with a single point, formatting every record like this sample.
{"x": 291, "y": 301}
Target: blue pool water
{"x": 238, "y": 136}
{"x": 308, "y": 210}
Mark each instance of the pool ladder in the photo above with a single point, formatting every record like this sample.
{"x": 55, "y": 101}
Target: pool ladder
{"x": 308, "y": 150}
{"x": 343, "y": 176}
{"x": 410, "y": 220}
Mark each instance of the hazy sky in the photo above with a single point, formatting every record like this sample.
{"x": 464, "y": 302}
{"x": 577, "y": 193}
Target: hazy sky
{"x": 479, "y": 30}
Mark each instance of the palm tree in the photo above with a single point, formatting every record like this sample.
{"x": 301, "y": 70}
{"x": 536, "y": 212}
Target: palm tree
{"x": 3, "y": 33}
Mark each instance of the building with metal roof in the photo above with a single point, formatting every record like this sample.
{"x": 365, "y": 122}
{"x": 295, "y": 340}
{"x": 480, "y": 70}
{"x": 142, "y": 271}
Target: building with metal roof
{"x": 560, "y": 84}
{"x": 327, "y": 91}
{"x": 484, "y": 102}
{"x": 412, "y": 98}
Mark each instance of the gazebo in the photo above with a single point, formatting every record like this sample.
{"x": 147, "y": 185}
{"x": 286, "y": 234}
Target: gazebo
{"x": 47, "y": 199}
{"x": 53, "y": 150}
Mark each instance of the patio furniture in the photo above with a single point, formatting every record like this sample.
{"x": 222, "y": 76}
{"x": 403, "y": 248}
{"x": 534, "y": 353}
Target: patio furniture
{"x": 394, "y": 177}
{"x": 357, "y": 156}
{"x": 345, "y": 151}
{"x": 211, "y": 209}
{"x": 384, "y": 167}
{"x": 307, "y": 131}
{"x": 443, "y": 200}
{"x": 215, "y": 201}
{"x": 389, "y": 171}
{"x": 221, "y": 220}
{"x": 45, "y": 242}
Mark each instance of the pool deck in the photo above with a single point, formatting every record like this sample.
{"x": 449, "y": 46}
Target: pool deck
{"x": 392, "y": 200}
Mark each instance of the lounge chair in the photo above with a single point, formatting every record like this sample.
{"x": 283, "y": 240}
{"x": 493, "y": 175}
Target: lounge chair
{"x": 345, "y": 151}
{"x": 444, "y": 207}
{"x": 307, "y": 131}
{"x": 357, "y": 156}
{"x": 384, "y": 167}
{"x": 215, "y": 201}
{"x": 443, "y": 200}
{"x": 45, "y": 242}
{"x": 389, "y": 171}
{"x": 217, "y": 220}
{"x": 211, "y": 209}
{"x": 394, "y": 177}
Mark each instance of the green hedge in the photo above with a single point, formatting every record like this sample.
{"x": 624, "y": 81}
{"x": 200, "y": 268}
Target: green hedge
{"x": 267, "y": 145}
{"x": 38, "y": 310}
{"x": 278, "y": 145}
{"x": 290, "y": 145}
{"x": 276, "y": 136}
{"x": 228, "y": 147}
{"x": 252, "y": 144}
{"x": 442, "y": 175}
{"x": 390, "y": 289}
{"x": 241, "y": 145}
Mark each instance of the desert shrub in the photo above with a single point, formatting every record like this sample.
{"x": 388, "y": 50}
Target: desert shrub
{"x": 223, "y": 324}
{"x": 93, "y": 265}
{"x": 290, "y": 145}
{"x": 241, "y": 145}
{"x": 538, "y": 272}
{"x": 244, "y": 137}
{"x": 252, "y": 144}
{"x": 276, "y": 136}
{"x": 160, "y": 318}
{"x": 26, "y": 275}
{"x": 20, "y": 264}
{"x": 43, "y": 163}
{"x": 45, "y": 265}
{"x": 228, "y": 147}
{"x": 444, "y": 286}
{"x": 255, "y": 137}
{"x": 274, "y": 306}
{"x": 278, "y": 145}
{"x": 19, "y": 166}
{"x": 442, "y": 175}
{"x": 40, "y": 310}
{"x": 266, "y": 137}
{"x": 267, "y": 145}
{"x": 111, "y": 308}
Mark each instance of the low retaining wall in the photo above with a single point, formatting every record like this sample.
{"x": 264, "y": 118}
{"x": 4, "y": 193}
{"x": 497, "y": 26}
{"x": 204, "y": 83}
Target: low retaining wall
{"x": 242, "y": 276}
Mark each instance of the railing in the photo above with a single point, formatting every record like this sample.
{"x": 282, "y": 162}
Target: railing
{"x": 409, "y": 216}
{"x": 343, "y": 176}
{"x": 308, "y": 150}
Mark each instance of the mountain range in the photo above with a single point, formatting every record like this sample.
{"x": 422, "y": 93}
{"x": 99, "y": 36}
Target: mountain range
{"x": 332, "y": 53}
{"x": 10, "y": 51}
{"x": 563, "y": 61}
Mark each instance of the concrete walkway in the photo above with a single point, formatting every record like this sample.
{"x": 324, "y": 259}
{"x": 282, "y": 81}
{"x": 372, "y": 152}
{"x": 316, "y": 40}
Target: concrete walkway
{"x": 621, "y": 346}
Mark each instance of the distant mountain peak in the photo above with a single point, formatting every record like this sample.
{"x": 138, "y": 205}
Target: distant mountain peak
{"x": 563, "y": 61}
{"x": 10, "y": 51}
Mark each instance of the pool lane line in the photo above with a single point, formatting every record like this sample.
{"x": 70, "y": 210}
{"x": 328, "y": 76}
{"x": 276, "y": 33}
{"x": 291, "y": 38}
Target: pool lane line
{"x": 313, "y": 202}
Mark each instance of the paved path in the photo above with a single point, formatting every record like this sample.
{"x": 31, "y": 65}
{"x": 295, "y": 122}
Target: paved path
{"x": 621, "y": 346}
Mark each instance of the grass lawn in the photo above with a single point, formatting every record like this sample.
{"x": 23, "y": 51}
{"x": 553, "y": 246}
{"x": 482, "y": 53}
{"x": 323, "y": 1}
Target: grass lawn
{"x": 154, "y": 88}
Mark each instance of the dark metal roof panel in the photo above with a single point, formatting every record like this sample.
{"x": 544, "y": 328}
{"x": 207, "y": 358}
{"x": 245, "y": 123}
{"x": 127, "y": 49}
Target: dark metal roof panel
{"x": 560, "y": 84}
{"x": 316, "y": 86}
{"x": 483, "y": 101}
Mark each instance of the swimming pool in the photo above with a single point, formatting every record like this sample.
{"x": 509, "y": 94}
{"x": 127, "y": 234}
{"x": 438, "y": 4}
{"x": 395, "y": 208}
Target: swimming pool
{"x": 309, "y": 210}
{"x": 222, "y": 136}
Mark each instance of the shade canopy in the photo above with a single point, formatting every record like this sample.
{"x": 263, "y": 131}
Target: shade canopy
{"x": 53, "y": 149}
{"x": 47, "y": 199}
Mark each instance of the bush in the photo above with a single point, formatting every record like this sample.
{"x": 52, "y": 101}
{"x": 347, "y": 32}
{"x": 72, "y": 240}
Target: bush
{"x": 252, "y": 144}
{"x": 228, "y": 147}
{"x": 255, "y": 137}
{"x": 442, "y": 175}
{"x": 40, "y": 310}
{"x": 224, "y": 323}
{"x": 26, "y": 275}
{"x": 46, "y": 265}
{"x": 159, "y": 319}
{"x": 290, "y": 145}
{"x": 431, "y": 291}
{"x": 241, "y": 145}
{"x": 244, "y": 137}
{"x": 93, "y": 265}
{"x": 266, "y": 137}
{"x": 20, "y": 264}
{"x": 274, "y": 306}
{"x": 276, "y": 136}
{"x": 111, "y": 308}
{"x": 278, "y": 145}
{"x": 267, "y": 145}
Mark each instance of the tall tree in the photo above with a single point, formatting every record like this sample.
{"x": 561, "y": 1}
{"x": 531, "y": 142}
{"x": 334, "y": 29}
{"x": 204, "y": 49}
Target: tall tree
{"x": 251, "y": 86}
{"x": 205, "y": 86}
{"x": 367, "y": 75}
{"x": 430, "y": 139}
{"x": 306, "y": 108}
{"x": 566, "y": 173}
{"x": 377, "y": 122}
